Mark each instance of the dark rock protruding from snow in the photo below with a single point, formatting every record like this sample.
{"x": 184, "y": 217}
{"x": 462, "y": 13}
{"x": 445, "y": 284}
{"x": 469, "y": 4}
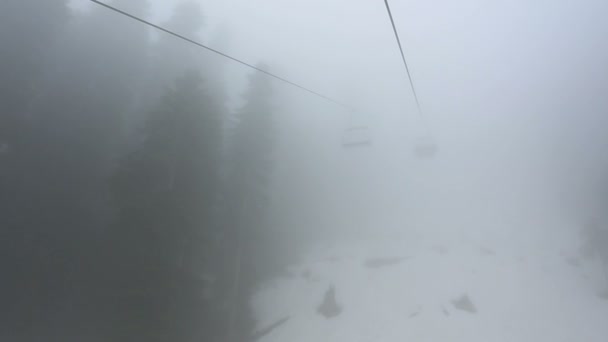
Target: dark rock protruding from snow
{"x": 603, "y": 295}
{"x": 573, "y": 261}
{"x": 261, "y": 333}
{"x": 381, "y": 262}
{"x": 464, "y": 303}
{"x": 329, "y": 307}
{"x": 486, "y": 251}
{"x": 440, "y": 249}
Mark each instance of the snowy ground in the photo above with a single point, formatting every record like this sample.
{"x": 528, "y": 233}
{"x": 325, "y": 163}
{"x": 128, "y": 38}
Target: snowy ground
{"x": 524, "y": 287}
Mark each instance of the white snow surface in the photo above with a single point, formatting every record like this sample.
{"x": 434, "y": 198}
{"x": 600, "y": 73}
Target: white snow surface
{"x": 524, "y": 286}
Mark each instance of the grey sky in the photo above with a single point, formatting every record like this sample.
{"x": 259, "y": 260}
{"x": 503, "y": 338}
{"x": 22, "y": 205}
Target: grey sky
{"x": 514, "y": 90}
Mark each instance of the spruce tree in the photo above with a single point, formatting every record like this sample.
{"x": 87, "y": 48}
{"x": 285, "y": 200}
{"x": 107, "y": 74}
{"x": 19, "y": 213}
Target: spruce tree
{"x": 249, "y": 232}
{"x": 165, "y": 192}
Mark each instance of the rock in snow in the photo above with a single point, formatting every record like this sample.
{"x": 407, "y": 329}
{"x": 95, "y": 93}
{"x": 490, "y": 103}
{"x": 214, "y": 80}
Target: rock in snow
{"x": 329, "y": 307}
{"x": 464, "y": 303}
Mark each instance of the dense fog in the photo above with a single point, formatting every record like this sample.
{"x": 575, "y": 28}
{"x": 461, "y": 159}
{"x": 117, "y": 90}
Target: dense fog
{"x": 154, "y": 190}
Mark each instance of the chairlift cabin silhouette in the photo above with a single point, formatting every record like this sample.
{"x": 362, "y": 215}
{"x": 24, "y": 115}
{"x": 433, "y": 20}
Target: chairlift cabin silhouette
{"x": 356, "y": 134}
{"x": 425, "y": 148}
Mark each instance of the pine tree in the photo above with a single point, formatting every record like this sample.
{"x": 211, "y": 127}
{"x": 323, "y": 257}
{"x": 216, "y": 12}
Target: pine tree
{"x": 254, "y": 163}
{"x": 28, "y": 29}
{"x": 165, "y": 192}
{"x": 32, "y": 271}
{"x": 172, "y": 57}
{"x": 76, "y": 133}
{"x": 249, "y": 236}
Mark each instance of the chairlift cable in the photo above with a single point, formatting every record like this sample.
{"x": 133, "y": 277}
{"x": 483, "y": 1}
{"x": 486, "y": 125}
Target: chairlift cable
{"x": 407, "y": 69}
{"x": 191, "y": 41}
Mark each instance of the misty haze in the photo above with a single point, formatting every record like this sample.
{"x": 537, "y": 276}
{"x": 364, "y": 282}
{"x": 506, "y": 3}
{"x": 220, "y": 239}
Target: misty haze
{"x": 303, "y": 170}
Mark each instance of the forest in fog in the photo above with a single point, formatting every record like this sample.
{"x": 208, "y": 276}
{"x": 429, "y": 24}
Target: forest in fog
{"x": 124, "y": 179}
{"x": 156, "y": 190}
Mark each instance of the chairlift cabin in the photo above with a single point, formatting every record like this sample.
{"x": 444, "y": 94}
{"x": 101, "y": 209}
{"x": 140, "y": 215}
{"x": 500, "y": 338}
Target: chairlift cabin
{"x": 357, "y": 132}
{"x": 425, "y": 148}
{"x": 356, "y": 136}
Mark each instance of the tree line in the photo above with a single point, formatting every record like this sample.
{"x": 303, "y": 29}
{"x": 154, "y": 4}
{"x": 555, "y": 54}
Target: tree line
{"x": 133, "y": 202}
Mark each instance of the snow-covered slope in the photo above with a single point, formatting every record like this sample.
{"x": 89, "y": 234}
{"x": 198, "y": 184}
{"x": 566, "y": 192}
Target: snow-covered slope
{"x": 405, "y": 288}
